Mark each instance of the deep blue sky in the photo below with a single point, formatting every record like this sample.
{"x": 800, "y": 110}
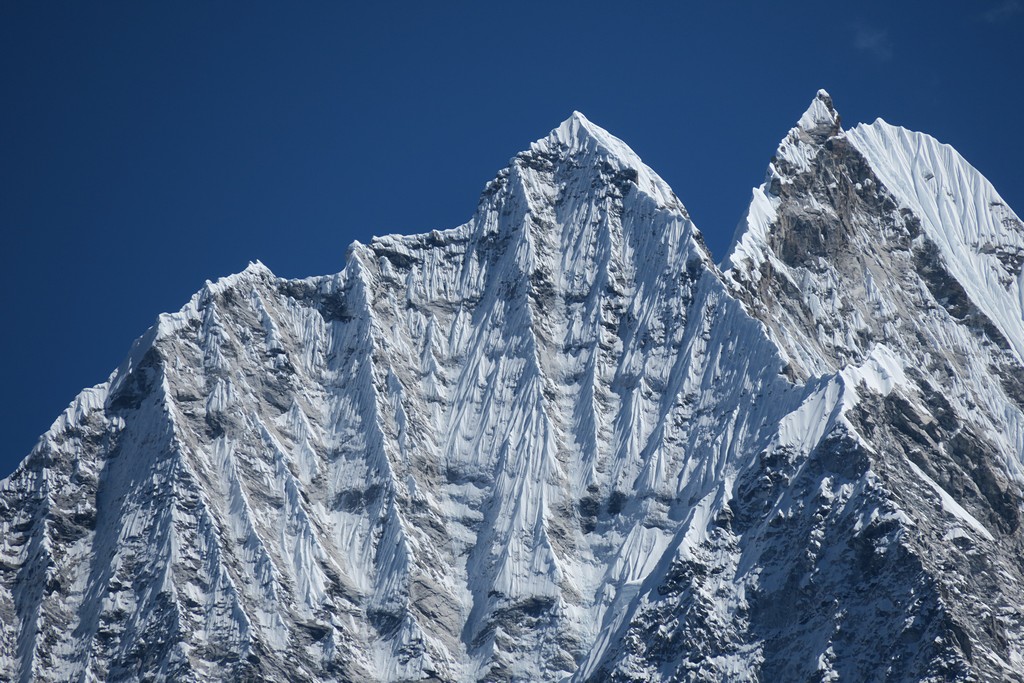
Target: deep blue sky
{"x": 146, "y": 147}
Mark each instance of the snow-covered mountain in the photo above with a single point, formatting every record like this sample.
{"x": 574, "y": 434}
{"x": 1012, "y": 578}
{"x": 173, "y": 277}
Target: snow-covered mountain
{"x": 560, "y": 443}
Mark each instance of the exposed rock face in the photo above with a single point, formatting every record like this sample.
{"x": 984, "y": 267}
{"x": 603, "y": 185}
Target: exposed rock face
{"x": 558, "y": 442}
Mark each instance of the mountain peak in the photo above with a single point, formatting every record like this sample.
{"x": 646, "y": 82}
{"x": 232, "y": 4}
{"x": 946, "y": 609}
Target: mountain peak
{"x": 577, "y": 130}
{"x": 817, "y": 124}
{"x": 579, "y": 136}
{"x": 821, "y": 118}
{"x": 794, "y": 155}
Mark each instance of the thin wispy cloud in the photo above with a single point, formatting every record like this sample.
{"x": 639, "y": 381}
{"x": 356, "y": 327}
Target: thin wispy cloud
{"x": 873, "y": 41}
{"x": 1003, "y": 11}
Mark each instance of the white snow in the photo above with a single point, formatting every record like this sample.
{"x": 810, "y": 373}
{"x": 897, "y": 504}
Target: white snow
{"x": 516, "y": 448}
{"x": 960, "y": 211}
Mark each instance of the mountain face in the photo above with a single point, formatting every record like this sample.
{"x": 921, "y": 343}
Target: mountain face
{"x": 560, "y": 443}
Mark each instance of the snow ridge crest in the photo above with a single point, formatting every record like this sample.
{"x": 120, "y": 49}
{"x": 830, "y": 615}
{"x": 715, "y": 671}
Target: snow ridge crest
{"x": 558, "y": 443}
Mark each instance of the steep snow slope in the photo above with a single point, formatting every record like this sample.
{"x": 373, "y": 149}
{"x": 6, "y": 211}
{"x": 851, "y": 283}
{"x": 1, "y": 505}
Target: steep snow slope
{"x": 979, "y": 238}
{"x": 557, "y": 442}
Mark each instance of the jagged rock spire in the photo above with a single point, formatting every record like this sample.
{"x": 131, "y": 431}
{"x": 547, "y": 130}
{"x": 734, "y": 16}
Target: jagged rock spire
{"x": 821, "y": 118}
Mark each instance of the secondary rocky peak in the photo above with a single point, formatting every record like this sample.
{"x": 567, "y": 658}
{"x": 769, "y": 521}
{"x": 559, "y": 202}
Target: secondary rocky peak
{"x": 774, "y": 224}
{"x": 821, "y": 119}
{"x": 818, "y": 123}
